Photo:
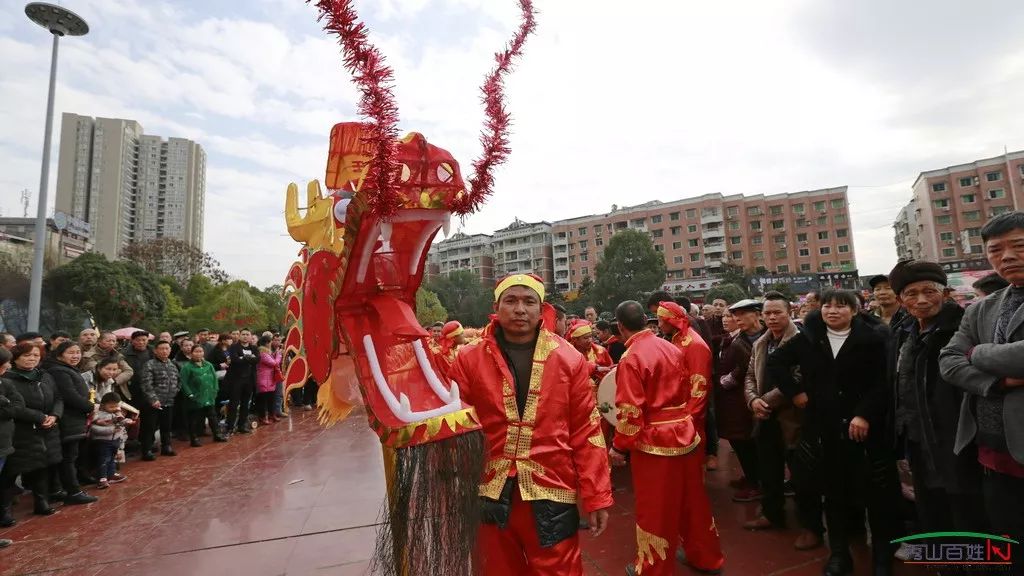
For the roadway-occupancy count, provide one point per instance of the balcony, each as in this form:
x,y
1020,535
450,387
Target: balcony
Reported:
x,y
713,234
711,262
711,218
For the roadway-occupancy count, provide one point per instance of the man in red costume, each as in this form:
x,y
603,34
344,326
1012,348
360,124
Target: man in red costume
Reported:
x,y
452,336
698,523
658,430
532,393
581,335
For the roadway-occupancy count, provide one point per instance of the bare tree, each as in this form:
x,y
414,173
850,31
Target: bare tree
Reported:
x,y
176,258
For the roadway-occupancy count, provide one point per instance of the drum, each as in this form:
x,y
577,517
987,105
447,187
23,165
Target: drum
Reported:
x,y
606,398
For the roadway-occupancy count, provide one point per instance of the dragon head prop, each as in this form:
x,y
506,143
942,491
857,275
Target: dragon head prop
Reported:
x,y
351,298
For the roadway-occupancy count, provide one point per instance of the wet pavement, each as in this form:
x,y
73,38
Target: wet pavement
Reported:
x,y
294,498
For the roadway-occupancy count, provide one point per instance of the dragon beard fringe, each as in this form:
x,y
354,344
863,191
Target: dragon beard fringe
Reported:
x,y
430,526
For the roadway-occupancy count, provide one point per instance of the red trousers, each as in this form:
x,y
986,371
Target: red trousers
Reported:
x,y
672,507
516,551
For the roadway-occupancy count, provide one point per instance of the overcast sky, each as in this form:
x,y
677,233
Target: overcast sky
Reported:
x,y
614,102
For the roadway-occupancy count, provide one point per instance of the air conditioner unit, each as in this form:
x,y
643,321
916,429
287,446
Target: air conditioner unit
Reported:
x,y
822,212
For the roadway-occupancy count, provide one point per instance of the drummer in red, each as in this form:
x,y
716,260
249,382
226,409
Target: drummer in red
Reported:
x,y
656,428
533,396
581,335
452,336
698,523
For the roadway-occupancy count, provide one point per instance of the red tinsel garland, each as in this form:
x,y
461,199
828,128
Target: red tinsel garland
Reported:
x,y
377,103
494,137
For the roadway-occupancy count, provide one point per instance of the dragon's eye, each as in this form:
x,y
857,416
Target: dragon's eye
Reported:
x,y
406,173
444,172
341,209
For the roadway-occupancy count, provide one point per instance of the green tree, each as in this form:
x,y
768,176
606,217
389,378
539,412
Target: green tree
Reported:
x,y
629,266
274,300
462,295
731,293
117,293
736,274
429,308
197,291
176,258
783,288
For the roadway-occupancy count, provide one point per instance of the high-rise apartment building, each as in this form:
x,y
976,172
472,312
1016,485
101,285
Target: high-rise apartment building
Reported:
x,y
129,186
523,247
950,205
462,252
801,233
908,243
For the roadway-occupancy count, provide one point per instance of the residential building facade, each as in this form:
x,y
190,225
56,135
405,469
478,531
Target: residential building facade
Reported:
x,y
952,204
523,247
782,234
908,241
129,186
471,252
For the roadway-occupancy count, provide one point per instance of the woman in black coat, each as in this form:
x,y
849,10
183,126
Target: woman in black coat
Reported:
x,y
78,405
10,403
844,445
36,434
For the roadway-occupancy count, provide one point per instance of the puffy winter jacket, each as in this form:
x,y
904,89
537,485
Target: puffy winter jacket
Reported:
x,y
34,446
78,404
10,402
159,382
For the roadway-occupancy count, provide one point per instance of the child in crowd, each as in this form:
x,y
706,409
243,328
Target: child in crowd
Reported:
x,y
108,432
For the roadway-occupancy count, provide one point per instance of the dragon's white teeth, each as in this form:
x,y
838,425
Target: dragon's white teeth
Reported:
x,y
385,236
447,225
403,402
453,394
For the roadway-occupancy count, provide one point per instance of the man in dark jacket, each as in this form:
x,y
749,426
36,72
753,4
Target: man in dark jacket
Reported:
x,y
844,445
158,387
927,407
241,381
10,402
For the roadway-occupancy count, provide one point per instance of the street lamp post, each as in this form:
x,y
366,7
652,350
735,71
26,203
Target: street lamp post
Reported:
x,y
60,22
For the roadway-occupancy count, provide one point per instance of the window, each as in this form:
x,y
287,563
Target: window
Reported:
x,y
838,203
798,208
839,218
942,203
734,225
975,248
822,221
755,225
824,250
697,272
677,230
939,187
997,210
691,213
673,216
780,253
801,237
972,216
844,249
656,219
819,206
947,219
737,255
732,210
695,257
598,242
967,198
677,260
583,231
693,242
974,232
805,267
826,265
656,233
805,252
778,224
965,182
946,236
757,240
775,210
753,211
677,245
996,194
735,239
657,247
779,238
993,176
948,252
597,229
758,255
784,268
823,235
583,244
692,229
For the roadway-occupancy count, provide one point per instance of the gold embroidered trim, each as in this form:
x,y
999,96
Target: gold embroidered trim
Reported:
x,y
665,451
699,386
647,545
597,440
492,488
532,491
627,411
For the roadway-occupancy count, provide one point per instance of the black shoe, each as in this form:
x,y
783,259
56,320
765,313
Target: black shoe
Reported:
x,y
584,524
41,506
4,542
85,479
80,498
244,430
6,518
58,495
148,456
220,439
195,443
838,565
168,451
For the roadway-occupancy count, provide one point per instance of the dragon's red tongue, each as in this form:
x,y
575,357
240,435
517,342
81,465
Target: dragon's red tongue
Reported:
x,y
398,317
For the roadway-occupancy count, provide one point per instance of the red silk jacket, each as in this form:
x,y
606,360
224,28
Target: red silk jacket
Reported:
x,y
597,357
555,450
652,392
698,361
